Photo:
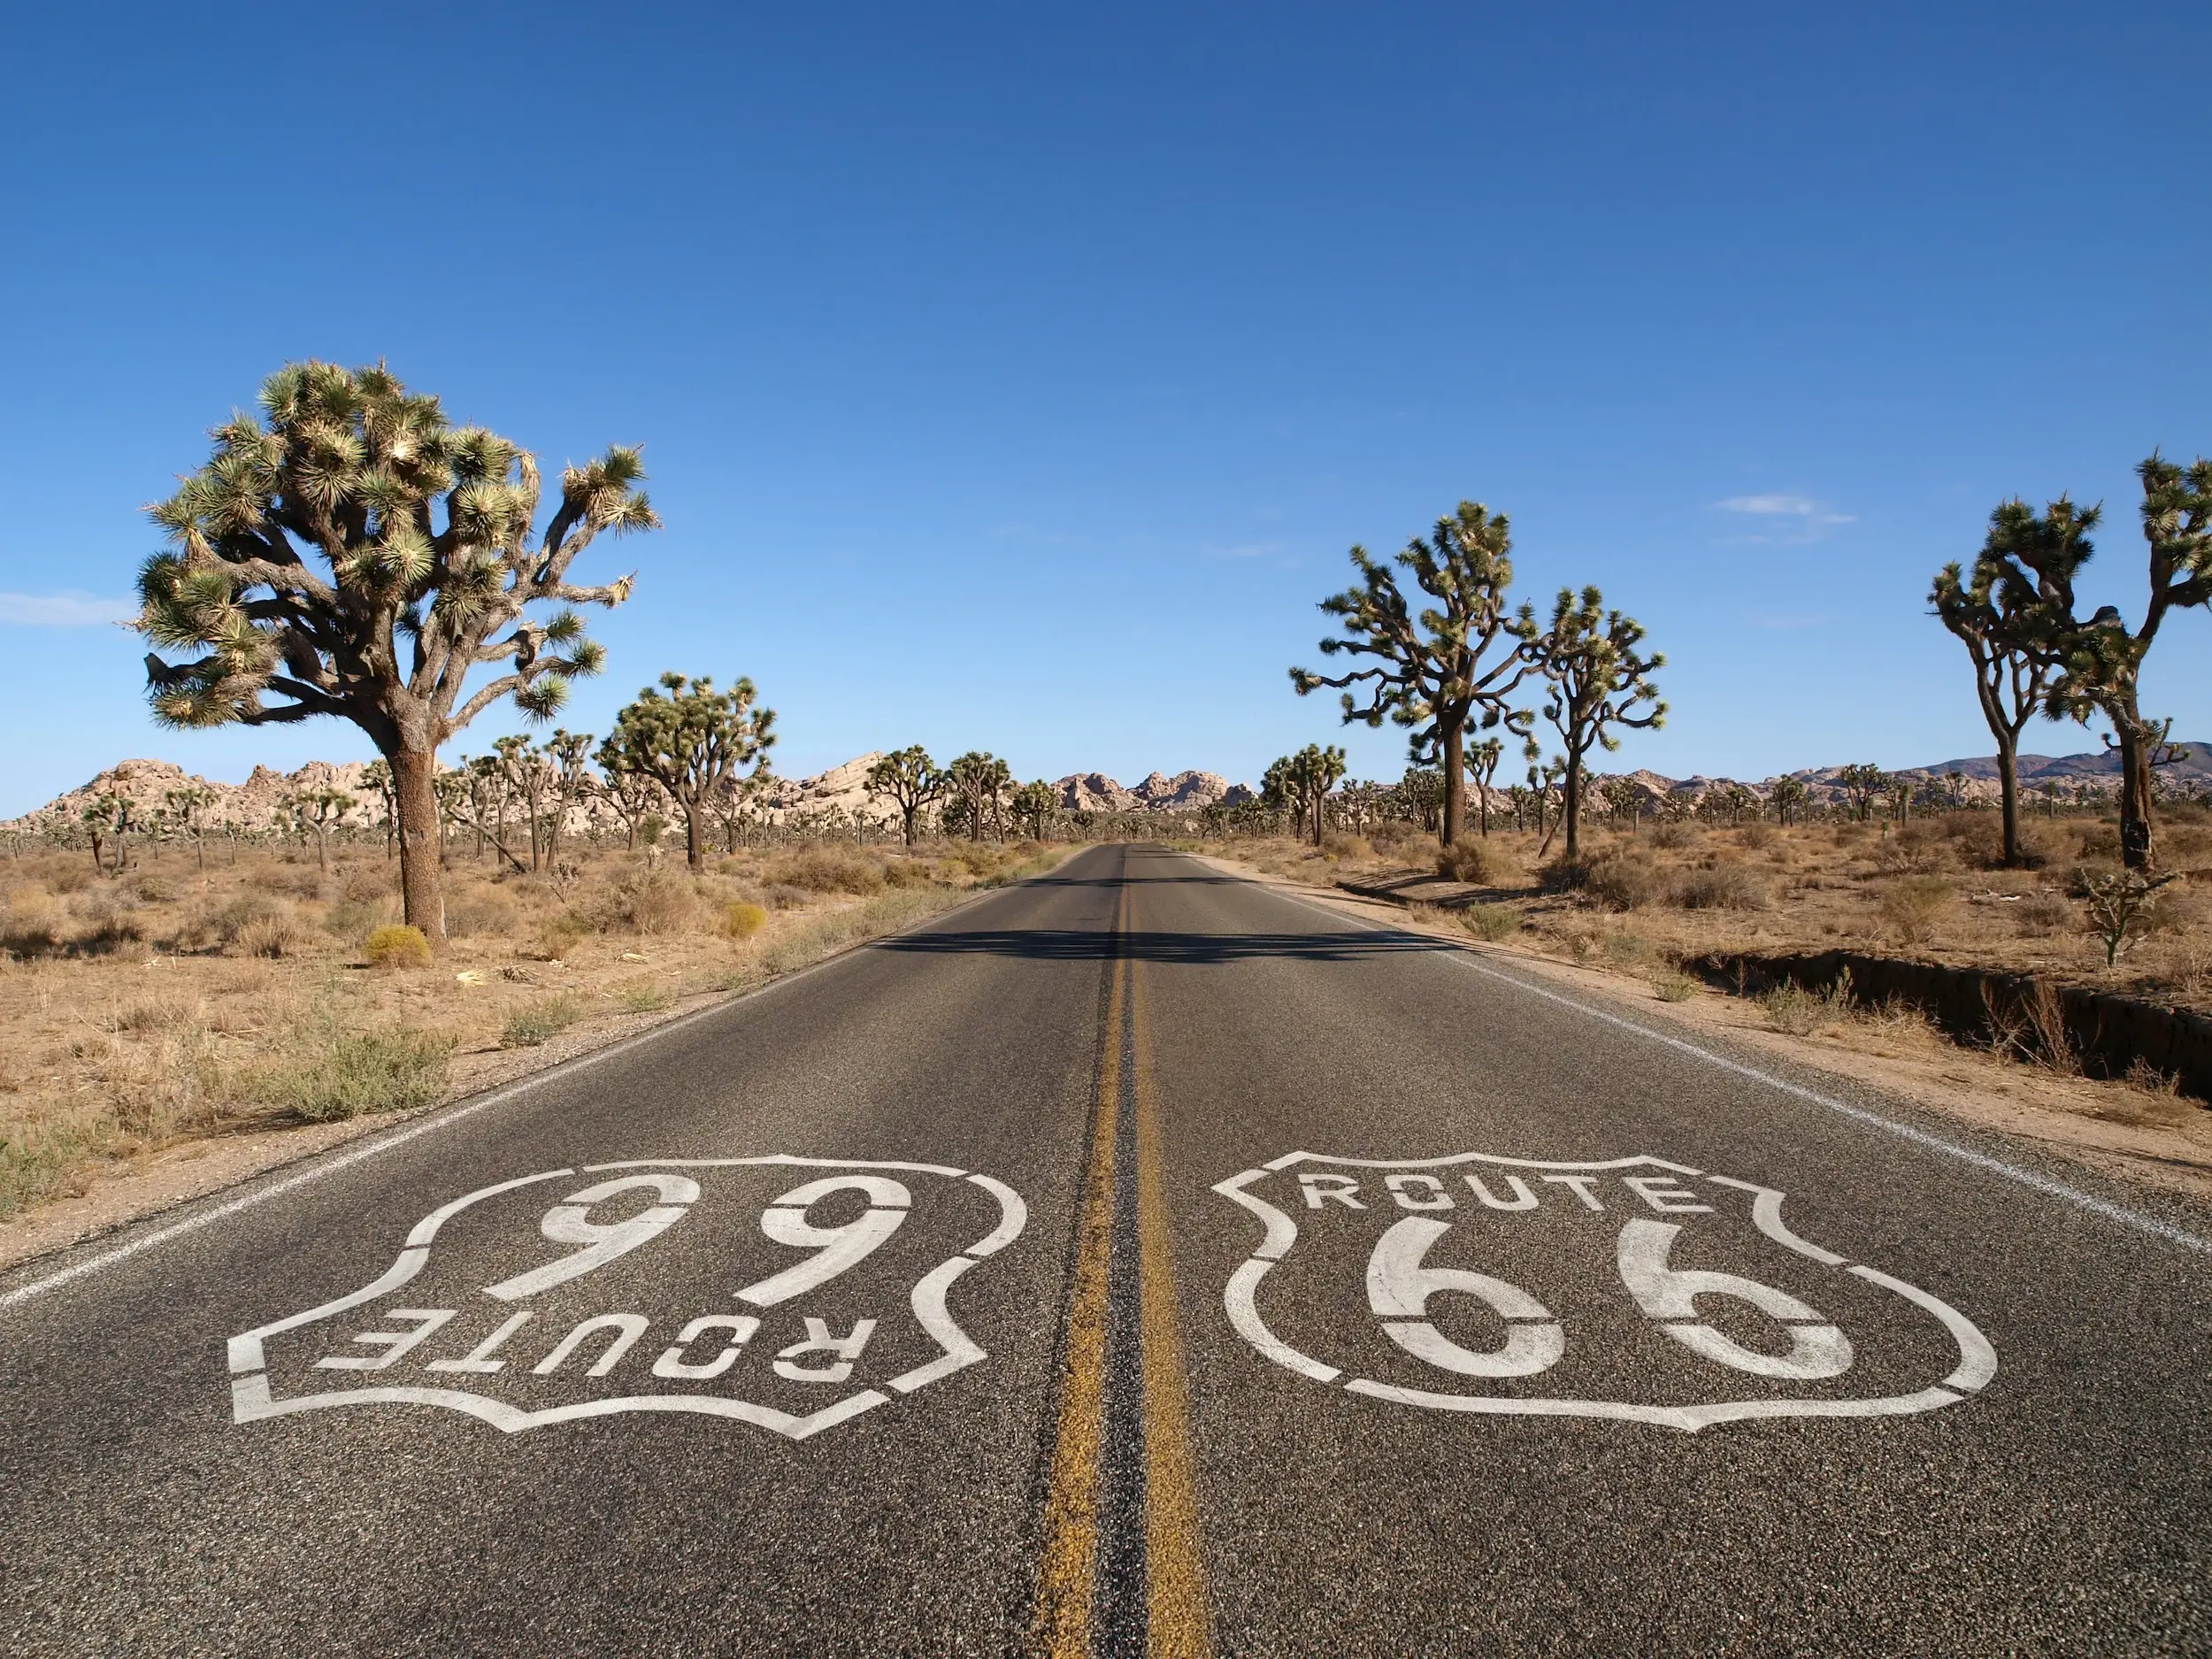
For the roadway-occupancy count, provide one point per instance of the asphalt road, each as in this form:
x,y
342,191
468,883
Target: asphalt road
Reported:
x,y
1135,1260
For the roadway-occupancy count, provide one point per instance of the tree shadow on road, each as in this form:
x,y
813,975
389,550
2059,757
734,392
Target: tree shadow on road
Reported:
x,y
1058,944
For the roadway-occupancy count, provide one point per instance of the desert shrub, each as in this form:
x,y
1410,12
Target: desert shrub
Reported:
x,y
1627,949
350,918
31,925
2185,839
1917,848
370,882
2101,841
655,903
541,1021
742,920
277,933
1912,906
1725,886
824,870
780,896
642,996
1671,984
1673,833
1338,845
1790,1008
1491,922
1619,882
300,882
1755,836
1476,862
557,935
68,876
398,946
152,890
249,907
147,1013
2042,914
484,913
345,1074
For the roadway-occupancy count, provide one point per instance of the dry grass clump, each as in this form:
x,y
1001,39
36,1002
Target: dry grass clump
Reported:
x,y
1724,885
827,871
1478,862
1912,906
276,932
541,1021
347,1073
1491,923
742,920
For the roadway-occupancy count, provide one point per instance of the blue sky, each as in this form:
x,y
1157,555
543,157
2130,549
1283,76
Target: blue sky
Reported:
x,y
1015,377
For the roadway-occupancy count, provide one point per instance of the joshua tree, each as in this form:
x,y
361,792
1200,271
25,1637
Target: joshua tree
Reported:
x,y
110,815
528,775
568,755
1482,766
1789,795
632,794
978,783
2012,680
691,742
910,781
1861,782
1303,780
317,811
351,472
377,775
1421,790
1597,679
2099,663
1430,674
1032,807
1901,799
187,808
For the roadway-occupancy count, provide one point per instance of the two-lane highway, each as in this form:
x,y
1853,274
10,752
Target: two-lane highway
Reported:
x,y
1136,1260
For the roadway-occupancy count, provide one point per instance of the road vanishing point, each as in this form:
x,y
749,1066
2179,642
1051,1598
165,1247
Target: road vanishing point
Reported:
x,y
1136,1260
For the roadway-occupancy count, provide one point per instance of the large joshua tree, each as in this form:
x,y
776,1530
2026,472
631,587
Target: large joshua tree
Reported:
x,y
1597,680
2012,680
1429,670
352,553
692,742
2099,663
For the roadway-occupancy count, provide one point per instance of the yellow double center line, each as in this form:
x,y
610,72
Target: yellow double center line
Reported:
x,y
1175,1622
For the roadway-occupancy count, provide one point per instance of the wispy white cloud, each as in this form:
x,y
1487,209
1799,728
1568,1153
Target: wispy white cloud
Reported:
x,y
71,608
1795,519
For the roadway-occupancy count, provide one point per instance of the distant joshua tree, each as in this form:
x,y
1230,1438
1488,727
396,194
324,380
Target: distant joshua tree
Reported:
x,y
1862,783
1303,780
308,562
188,810
1482,766
978,784
317,811
1598,681
692,742
1429,672
1789,797
910,781
1032,807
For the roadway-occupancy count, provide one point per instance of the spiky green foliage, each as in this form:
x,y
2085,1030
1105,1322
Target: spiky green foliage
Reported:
x,y
1429,670
911,781
692,742
977,785
1863,782
1597,683
1033,808
1302,782
353,553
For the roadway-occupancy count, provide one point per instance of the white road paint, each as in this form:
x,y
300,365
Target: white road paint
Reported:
x,y
706,1349
1602,1199
2135,1220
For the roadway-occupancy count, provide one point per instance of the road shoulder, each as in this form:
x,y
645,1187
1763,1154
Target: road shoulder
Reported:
x,y
2054,1114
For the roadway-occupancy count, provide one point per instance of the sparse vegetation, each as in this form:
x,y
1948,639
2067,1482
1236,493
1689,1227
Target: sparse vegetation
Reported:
x,y
398,946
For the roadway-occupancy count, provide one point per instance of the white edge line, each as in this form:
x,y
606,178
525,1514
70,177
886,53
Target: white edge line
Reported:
x,y
447,1117
2043,1184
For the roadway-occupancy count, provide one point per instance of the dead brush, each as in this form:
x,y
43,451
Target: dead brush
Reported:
x,y
2030,1026
1790,1007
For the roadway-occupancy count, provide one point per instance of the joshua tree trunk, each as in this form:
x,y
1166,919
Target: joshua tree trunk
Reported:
x,y
695,851
1570,804
415,799
2135,795
2008,792
1455,782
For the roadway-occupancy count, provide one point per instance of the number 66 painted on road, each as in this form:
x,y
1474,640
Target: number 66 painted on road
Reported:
x,y
1400,1285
